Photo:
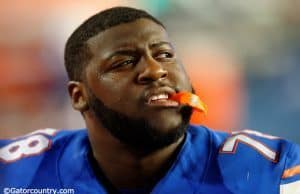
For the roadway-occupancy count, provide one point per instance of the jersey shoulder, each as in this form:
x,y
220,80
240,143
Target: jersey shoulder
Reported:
x,y
272,161
249,161
33,155
34,144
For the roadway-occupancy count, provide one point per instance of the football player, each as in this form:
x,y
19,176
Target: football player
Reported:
x,y
136,100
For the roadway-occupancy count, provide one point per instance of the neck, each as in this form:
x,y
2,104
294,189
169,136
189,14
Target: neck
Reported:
x,y
127,167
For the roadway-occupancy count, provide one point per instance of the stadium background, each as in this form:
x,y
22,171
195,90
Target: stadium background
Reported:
x,y
243,58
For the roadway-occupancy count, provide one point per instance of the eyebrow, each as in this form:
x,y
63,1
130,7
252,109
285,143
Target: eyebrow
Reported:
x,y
122,51
158,44
128,50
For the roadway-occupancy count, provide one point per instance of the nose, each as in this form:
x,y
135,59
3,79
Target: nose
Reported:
x,y
152,71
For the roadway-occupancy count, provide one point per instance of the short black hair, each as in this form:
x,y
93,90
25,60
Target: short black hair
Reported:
x,y
77,53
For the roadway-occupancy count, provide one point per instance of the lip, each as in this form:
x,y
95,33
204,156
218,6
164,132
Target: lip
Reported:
x,y
160,102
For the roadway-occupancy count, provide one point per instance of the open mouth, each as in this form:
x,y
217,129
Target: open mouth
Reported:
x,y
162,99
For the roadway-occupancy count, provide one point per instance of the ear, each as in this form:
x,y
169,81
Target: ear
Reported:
x,y
78,95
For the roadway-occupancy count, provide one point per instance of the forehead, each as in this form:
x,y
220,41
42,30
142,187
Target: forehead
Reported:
x,y
133,34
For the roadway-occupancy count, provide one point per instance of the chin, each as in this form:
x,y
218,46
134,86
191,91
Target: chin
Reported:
x,y
163,117
166,123
149,132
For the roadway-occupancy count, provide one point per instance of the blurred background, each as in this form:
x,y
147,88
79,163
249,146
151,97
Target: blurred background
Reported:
x,y
243,59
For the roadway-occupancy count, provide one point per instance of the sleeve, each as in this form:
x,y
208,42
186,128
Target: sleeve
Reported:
x,y
290,180
22,156
30,144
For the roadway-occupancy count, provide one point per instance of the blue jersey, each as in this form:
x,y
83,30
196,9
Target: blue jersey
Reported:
x,y
244,162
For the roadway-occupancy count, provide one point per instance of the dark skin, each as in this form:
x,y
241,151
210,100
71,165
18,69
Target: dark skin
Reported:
x,y
131,62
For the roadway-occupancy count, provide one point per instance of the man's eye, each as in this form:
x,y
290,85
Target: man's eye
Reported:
x,y
164,55
122,64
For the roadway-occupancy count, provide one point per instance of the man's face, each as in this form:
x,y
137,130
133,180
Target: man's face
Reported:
x,y
133,71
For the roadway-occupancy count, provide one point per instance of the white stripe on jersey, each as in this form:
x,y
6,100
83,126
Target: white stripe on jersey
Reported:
x,y
290,188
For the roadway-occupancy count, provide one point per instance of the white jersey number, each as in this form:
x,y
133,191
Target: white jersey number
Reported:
x,y
32,144
230,145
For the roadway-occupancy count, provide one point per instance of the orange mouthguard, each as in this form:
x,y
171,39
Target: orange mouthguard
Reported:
x,y
190,99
